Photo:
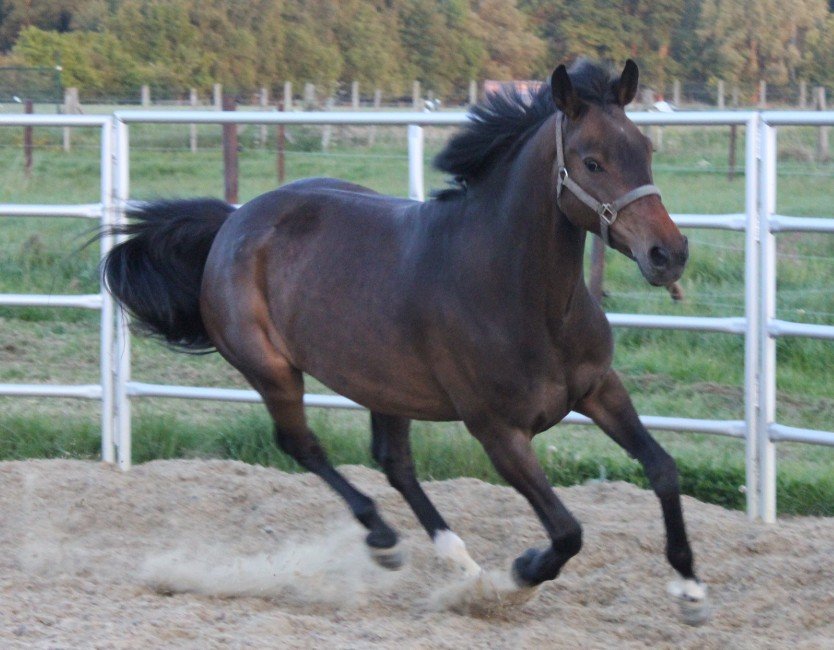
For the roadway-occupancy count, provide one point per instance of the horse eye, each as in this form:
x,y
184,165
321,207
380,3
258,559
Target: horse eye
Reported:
x,y
592,165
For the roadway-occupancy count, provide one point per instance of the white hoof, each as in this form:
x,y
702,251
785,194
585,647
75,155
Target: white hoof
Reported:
x,y
691,596
452,550
388,558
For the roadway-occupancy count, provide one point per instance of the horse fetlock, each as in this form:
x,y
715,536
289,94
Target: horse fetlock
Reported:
x,y
691,596
452,550
391,558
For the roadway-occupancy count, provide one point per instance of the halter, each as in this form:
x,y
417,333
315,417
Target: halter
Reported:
x,y
607,211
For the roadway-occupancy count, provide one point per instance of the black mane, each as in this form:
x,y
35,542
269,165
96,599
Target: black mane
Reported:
x,y
508,117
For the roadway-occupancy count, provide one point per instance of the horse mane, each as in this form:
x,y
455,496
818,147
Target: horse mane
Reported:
x,y
507,118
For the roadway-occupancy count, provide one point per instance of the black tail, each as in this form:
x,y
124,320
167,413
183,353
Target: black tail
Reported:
x,y
156,274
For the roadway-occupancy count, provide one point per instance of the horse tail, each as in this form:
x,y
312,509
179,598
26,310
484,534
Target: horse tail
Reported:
x,y
156,274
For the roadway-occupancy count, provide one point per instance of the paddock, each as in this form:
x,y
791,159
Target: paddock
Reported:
x,y
204,554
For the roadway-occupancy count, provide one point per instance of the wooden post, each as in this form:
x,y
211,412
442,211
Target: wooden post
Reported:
x,y
676,93
354,95
309,96
731,160
823,154
281,142
597,268
218,97
327,130
192,136
71,107
287,105
720,99
264,102
146,95
230,160
416,100
29,108
372,129
803,93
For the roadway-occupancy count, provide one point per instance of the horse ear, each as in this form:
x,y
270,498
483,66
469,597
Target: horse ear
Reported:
x,y
625,88
564,95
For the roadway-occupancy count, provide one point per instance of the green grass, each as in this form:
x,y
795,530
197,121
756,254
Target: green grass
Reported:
x,y
668,373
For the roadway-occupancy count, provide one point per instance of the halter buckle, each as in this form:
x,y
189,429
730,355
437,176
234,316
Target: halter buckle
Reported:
x,y
607,213
563,174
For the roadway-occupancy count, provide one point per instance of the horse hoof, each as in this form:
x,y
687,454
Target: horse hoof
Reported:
x,y
521,569
691,596
391,558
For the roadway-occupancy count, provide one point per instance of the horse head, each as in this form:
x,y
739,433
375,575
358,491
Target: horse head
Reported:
x,y
603,174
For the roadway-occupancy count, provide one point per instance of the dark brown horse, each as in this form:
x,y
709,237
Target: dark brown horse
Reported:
x,y
471,306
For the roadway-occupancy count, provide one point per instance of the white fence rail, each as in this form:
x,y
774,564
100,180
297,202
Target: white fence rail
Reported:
x,y
759,326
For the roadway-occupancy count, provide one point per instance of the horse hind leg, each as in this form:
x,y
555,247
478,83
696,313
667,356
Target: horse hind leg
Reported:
x,y
281,386
391,448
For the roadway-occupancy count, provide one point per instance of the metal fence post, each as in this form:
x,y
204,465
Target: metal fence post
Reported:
x,y
752,385
121,192
108,305
416,187
767,312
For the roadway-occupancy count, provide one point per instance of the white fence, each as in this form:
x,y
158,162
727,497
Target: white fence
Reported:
x,y
759,326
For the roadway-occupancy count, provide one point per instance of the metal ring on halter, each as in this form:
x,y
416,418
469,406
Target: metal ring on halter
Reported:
x,y
607,213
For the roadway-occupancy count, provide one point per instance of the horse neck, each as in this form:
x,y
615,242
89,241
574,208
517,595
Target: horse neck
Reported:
x,y
526,217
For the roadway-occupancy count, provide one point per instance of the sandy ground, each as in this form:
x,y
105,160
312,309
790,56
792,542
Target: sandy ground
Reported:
x,y
89,557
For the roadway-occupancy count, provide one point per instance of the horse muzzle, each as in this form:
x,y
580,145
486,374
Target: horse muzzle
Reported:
x,y
663,263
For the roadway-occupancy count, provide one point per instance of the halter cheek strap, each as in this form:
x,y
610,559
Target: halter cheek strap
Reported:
x,y
607,211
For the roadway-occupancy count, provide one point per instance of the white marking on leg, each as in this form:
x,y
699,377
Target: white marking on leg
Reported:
x,y
688,589
451,548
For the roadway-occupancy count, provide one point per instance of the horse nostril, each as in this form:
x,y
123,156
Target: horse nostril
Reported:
x,y
659,257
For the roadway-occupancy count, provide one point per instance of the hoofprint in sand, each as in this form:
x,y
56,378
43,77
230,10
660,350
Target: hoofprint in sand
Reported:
x,y
216,554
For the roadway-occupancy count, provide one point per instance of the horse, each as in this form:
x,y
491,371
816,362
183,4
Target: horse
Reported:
x,y
470,306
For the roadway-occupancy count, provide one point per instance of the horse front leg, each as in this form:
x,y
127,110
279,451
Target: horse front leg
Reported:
x,y
610,407
512,455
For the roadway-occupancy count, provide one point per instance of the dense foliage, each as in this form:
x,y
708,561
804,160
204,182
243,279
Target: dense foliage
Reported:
x,y
109,47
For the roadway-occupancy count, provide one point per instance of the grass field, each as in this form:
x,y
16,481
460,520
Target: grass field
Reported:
x,y
668,373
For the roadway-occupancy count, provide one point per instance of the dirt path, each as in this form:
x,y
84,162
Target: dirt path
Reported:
x,y
85,548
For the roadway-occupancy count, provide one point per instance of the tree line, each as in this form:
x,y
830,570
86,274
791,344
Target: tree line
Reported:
x,y
108,48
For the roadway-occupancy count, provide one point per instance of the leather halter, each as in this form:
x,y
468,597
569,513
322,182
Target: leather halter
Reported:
x,y
607,211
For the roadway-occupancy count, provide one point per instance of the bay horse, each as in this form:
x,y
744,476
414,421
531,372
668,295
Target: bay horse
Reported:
x,y
470,306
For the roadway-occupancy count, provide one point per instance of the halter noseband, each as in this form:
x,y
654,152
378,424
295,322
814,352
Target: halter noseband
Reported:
x,y
607,211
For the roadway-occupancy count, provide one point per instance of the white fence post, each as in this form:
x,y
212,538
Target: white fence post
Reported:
x,y
416,188
752,386
121,192
108,306
767,344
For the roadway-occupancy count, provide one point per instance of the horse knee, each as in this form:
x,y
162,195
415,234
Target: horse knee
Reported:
x,y
663,476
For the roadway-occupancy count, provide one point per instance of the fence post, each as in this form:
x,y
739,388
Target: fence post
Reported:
x,y
803,93
29,108
752,333
264,102
218,97
71,107
473,92
415,163
287,96
146,95
676,93
822,139
767,311
230,161
416,100
281,142
720,97
762,93
354,95
327,130
192,135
